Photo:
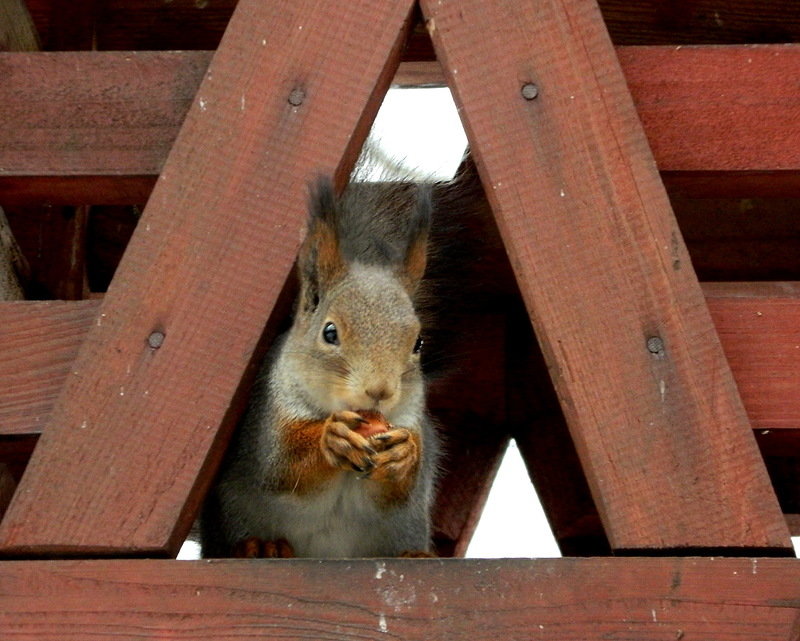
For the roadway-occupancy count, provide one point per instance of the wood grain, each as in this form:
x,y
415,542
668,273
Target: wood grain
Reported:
x,y
719,119
40,341
766,344
82,116
662,434
205,268
481,600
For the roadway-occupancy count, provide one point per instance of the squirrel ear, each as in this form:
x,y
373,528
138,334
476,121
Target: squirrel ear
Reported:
x,y
417,248
319,261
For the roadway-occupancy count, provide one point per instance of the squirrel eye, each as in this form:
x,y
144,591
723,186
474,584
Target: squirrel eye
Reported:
x,y
329,334
418,345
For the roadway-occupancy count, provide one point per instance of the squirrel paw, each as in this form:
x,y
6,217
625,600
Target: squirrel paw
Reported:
x,y
345,448
397,458
255,548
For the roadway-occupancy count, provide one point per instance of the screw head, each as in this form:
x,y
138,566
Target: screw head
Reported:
x,y
156,339
530,91
297,97
655,345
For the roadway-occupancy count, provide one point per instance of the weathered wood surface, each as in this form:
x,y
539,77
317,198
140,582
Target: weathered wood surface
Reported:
x,y
149,421
76,117
760,334
605,276
39,342
481,600
718,118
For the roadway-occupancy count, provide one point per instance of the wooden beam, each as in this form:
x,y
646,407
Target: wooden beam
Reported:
x,y
105,123
653,22
761,339
203,272
476,600
652,407
720,119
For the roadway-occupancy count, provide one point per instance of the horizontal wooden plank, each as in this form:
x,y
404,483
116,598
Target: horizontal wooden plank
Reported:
x,y
759,327
448,600
40,341
719,119
758,323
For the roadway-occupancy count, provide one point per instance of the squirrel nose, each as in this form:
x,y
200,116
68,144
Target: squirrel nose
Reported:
x,y
378,392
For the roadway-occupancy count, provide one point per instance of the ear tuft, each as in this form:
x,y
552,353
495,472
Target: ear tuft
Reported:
x,y
417,247
319,262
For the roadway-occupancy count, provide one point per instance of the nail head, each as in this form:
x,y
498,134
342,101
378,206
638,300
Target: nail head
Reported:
x,y
156,339
297,97
530,91
655,345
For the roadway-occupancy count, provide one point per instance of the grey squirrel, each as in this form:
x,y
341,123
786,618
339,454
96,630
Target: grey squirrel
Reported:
x,y
336,455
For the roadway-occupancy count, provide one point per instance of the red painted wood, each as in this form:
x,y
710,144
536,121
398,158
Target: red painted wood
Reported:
x,y
762,317
663,437
205,267
107,116
40,341
720,119
415,600
726,97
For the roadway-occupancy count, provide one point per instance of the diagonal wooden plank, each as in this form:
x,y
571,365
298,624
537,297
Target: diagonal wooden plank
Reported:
x,y
415,600
646,390
136,431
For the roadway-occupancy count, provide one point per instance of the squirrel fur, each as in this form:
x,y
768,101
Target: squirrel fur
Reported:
x,y
298,478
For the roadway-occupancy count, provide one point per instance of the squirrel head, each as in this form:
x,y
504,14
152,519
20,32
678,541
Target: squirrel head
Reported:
x,y
355,342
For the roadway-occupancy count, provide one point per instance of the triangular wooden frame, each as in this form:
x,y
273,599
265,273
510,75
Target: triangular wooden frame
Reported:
x,y
543,98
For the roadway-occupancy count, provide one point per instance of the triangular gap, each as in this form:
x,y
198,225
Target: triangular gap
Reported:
x,y
513,522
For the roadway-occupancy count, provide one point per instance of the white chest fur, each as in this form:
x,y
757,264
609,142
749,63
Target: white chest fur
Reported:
x,y
340,521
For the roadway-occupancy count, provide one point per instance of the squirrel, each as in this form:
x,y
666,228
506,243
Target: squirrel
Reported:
x,y
336,455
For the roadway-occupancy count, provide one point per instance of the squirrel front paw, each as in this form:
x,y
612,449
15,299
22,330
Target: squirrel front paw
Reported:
x,y
343,447
397,455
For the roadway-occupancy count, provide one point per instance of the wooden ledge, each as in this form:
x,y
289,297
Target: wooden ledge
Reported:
x,y
482,600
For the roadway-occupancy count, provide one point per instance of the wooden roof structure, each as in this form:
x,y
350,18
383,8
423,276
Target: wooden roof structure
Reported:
x,y
645,403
